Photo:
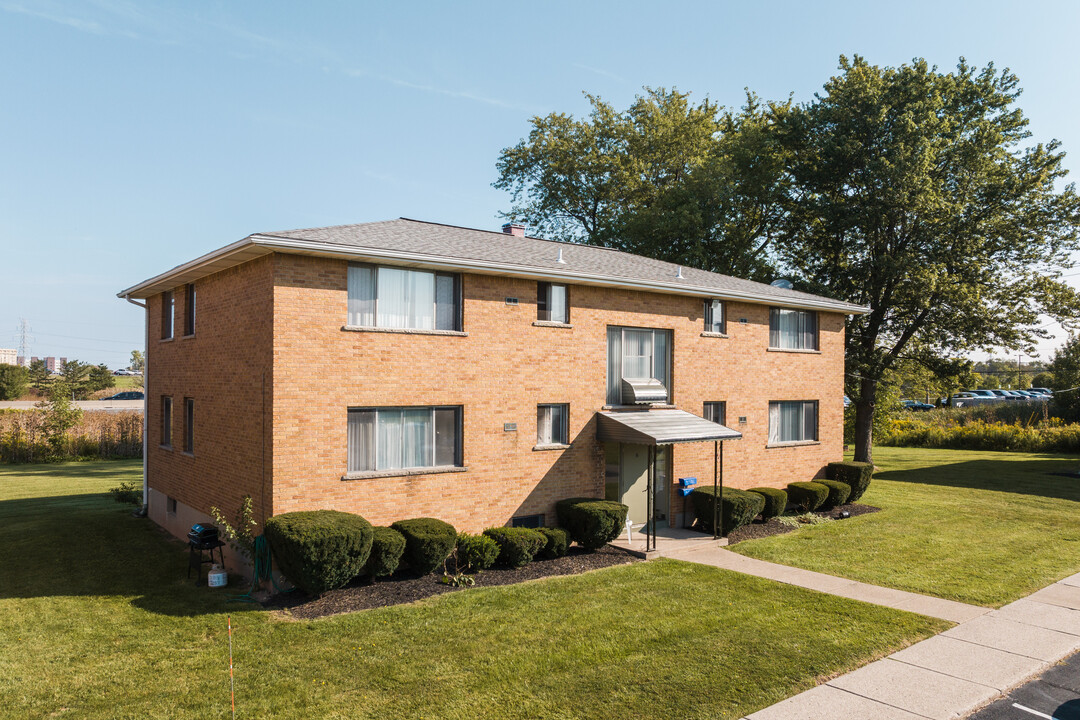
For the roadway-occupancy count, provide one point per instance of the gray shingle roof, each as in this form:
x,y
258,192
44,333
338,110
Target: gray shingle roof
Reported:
x,y
491,247
426,244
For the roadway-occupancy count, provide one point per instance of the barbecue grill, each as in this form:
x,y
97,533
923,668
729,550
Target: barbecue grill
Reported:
x,y
203,540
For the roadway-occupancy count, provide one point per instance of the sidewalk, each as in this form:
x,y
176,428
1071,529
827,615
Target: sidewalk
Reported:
x,y
947,676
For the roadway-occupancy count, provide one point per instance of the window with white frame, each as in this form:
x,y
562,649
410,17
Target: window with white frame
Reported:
x,y
793,421
715,412
403,438
637,354
552,302
793,329
714,316
168,311
389,297
552,424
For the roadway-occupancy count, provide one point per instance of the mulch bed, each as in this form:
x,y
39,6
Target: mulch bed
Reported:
x,y
756,530
406,588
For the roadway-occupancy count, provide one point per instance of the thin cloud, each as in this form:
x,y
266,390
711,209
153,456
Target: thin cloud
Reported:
x,y
600,71
461,94
87,26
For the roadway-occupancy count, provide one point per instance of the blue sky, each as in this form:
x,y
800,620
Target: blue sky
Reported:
x,y
136,136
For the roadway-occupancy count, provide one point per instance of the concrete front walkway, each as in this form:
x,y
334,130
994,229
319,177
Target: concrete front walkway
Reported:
x,y
947,676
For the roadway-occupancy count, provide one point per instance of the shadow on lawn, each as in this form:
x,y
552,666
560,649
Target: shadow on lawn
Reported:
x,y
88,545
1026,477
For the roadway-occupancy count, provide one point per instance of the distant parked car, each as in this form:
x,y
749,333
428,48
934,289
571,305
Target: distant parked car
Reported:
x,y
124,371
916,406
126,395
1042,391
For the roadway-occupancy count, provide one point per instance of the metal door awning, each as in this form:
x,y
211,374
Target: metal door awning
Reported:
x,y
659,427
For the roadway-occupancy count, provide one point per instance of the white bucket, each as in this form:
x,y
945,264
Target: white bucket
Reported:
x,y
217,577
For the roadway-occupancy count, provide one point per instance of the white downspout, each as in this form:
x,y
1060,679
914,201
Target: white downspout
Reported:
x,y
146,406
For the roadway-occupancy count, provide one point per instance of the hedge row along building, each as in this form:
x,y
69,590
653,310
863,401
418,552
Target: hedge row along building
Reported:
x,y
403,369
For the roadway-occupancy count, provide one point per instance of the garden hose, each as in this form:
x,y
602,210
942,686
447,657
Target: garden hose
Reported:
x,y
262,569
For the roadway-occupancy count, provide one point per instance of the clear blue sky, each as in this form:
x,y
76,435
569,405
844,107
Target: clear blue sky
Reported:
x,y
136,136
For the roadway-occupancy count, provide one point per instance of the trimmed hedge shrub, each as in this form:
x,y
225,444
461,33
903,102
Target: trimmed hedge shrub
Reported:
x,y
387,547
838,493
592,523
427,542
856,475
319,550
517,546
737,507
558,542
808,495
475,552
775,501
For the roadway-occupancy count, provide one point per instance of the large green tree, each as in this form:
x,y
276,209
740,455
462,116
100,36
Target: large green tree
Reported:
x,y
919,194
666,178
14,381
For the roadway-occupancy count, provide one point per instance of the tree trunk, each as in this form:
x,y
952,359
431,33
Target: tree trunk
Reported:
x,y
864,420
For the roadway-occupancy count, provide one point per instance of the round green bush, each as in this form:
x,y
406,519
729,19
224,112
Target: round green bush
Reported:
x,y
475,552
319,550
428,542
517,546
838,492
558,542
592,523
857,475
737,507
387,547
808,495
775,501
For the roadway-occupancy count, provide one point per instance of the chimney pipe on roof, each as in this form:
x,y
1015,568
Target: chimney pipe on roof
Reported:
x,y
514,229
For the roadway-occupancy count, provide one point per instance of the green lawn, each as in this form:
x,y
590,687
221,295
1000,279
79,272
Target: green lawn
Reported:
x,y
98,622
979,527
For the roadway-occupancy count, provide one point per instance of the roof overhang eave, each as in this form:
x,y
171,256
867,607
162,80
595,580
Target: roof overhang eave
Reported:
x,y
261,244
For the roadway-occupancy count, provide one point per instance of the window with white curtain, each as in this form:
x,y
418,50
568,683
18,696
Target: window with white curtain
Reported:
x,y
793,421
403,438
389,297
637,354
552,302
714,316
552,424
793,329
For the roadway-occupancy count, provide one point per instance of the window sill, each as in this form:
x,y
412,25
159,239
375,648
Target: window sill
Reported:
x,y
165,447
795,350
403,331
168,339
187,453
552,324
188,336
794,443
552,446
369,474
714,335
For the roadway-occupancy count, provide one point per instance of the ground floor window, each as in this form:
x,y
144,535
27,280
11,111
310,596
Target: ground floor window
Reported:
x,y
527,521
793,421
552,424
403,438
715,412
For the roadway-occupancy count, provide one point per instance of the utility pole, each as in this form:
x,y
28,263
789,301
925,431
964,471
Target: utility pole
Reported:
x,y
23,333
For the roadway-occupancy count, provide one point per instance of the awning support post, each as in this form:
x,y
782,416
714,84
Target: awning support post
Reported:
x,y
716,489
650,529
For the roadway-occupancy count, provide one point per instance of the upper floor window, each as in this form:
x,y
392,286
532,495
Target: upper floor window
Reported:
x,y
714,316
552,424
389,297
715,412
189,425
793,329
793,421
637,354
168,308
403,438
552,302
189,309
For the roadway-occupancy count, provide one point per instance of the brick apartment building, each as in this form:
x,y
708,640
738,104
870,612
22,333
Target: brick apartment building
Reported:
x,y
403,369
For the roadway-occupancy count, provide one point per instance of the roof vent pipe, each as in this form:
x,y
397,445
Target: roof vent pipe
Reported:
x,y
560,260
679,275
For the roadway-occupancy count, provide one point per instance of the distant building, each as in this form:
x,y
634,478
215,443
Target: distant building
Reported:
x,y
9,357
52,364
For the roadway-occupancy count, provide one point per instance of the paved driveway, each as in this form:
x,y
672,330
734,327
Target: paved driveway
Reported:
x,y
1053,695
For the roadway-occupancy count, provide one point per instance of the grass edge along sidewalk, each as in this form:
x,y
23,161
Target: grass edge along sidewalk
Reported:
x,y
983,528
99,622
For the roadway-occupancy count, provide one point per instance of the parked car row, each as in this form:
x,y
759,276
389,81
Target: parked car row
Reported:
x,y
972,397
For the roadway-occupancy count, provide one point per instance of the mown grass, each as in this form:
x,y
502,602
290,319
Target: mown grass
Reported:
x,y
978,527
99,622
